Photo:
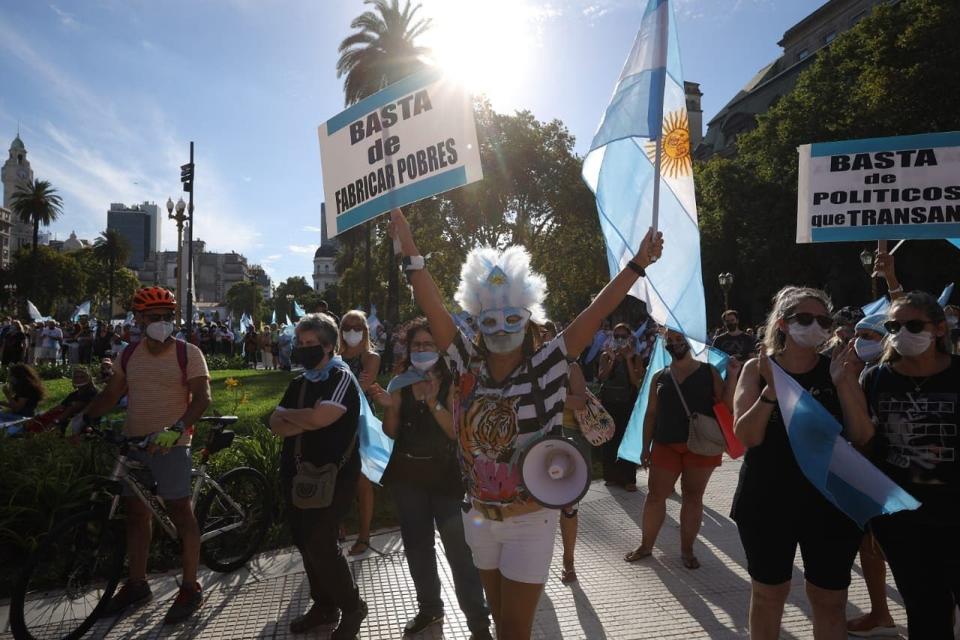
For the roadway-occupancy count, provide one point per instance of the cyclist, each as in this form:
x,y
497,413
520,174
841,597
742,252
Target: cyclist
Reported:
x,y
168,387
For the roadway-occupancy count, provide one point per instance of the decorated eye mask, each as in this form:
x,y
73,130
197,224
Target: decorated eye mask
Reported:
x,y
508,319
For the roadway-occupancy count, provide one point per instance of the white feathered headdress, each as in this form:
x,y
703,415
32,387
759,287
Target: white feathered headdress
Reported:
x,y
490,279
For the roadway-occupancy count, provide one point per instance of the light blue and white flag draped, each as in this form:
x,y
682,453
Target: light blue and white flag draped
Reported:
x,y
372,321
880,305
245,322
273,318
33,312
83,309
944,298
829,462
375,446
631,447
648,112
298,310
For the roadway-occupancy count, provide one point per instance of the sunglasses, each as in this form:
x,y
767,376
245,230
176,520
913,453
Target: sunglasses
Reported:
x,y
806,319
913,326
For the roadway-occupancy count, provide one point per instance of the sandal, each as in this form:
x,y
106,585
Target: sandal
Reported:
x,y
359,547
568,576
690,561
638,554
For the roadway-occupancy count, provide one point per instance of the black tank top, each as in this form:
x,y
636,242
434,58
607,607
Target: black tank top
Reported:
x,y
617,389
771,482
672,425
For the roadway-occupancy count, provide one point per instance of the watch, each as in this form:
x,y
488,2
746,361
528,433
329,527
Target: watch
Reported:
x,y
439,406
637,269
179,426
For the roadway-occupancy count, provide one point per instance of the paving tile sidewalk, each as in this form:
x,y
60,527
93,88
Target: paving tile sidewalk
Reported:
x,y
653,598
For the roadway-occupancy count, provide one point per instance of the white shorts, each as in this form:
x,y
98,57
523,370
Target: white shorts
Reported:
x,y
520,547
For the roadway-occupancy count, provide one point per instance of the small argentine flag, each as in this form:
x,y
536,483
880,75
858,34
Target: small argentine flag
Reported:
x,y
829,462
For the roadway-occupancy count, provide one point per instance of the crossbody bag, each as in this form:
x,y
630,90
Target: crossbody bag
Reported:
x,y
704,436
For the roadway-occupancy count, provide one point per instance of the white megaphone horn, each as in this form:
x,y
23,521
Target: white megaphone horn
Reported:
x,y
554,471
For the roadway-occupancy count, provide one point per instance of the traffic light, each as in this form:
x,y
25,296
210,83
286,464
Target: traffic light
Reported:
x,y
186,176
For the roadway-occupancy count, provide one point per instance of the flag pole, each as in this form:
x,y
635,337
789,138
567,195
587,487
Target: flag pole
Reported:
x,y
656,183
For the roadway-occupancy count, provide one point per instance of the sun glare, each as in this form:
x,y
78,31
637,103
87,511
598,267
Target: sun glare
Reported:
x,y
488,46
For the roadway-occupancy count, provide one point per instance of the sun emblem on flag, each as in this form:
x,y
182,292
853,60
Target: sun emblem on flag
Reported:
x,y
497,277
675,160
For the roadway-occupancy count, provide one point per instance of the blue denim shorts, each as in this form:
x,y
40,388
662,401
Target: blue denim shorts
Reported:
x,y
171,471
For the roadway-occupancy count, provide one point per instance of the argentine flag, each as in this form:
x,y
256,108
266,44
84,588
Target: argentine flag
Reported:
x,y
944,298
880,305
298,310
631,447
648,111
829,462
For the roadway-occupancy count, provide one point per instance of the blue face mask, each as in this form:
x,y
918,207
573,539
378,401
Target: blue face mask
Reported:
x,y
424,360
507,320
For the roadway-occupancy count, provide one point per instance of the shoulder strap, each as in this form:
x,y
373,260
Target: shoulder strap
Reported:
x,y
126,354
182,360
683,400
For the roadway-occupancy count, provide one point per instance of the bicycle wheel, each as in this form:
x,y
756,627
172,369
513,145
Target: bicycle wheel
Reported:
x,y
69,579
228,550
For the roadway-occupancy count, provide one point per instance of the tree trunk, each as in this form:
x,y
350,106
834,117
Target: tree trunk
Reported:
x,y
36,234
392,312
367,268
113,269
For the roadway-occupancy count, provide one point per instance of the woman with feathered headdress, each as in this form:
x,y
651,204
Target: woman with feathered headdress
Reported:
x,y
509,388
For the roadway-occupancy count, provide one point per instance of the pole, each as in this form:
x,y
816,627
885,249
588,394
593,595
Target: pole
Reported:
x,y
656,183
875,282
190,253
180,270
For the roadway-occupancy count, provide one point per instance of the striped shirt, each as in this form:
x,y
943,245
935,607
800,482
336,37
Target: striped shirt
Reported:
x,y
494,421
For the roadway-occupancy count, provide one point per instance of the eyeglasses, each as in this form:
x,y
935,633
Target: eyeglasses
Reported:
x,y
913,326
806,319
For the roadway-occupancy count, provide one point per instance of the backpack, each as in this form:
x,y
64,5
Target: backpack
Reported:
x,y
181,347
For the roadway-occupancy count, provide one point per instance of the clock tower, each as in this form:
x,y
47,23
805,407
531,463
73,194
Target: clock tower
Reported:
x,y
16,172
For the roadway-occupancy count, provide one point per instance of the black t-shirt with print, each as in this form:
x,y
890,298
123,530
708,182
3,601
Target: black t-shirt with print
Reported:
x,y
329,443
743,345
916,441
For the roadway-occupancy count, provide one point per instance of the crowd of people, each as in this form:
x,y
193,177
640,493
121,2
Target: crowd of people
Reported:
x,y
465,400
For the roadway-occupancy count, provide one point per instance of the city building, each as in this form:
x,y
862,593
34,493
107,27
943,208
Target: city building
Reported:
x,y
800,44
16,172
140,225
6,226
213,273
258,275
69,245
325,258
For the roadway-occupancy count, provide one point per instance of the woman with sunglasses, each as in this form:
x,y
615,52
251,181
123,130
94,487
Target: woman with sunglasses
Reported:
x,y
913,397
620,374
509,389
775,507
354,348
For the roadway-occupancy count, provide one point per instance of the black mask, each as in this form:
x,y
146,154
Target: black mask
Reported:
x,y
678,350
732,326
309,357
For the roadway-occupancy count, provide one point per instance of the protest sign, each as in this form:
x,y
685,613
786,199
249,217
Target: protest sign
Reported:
x,y
412,140
880,189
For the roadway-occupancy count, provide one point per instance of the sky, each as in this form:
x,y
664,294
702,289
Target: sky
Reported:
x,y
109,93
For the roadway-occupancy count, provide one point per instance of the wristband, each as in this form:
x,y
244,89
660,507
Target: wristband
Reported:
x,y
897,290
413,263
637,269
179,426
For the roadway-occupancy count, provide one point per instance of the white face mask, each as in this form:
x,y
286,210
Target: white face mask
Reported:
x,y
868,350
504,343
911,344
812,335
352,338
160,331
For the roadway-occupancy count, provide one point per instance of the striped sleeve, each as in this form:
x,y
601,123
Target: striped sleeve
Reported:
x,y
340,389
460,352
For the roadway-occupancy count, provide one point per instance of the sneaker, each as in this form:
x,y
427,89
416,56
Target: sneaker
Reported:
x,y
317,616
350,623
187,602
483,634
421,621
131,594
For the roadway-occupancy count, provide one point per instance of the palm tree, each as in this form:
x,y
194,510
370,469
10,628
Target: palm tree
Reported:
x,y
381,52
36,204
113,250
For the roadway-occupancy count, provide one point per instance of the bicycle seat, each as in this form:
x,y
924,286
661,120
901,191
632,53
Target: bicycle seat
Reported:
x,y
223,421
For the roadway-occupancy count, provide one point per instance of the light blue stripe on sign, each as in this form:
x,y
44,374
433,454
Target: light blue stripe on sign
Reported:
x,y
402,196
898,143
391,94
934,231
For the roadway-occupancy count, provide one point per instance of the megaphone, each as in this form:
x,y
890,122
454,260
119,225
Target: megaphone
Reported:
x,y
554,471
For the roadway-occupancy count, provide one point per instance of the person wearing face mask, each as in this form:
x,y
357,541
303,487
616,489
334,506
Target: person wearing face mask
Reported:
x,y
912,401
775,507
952,315
353,346
318,419
665,452
167,386
510,388
733,341
620,374
424,477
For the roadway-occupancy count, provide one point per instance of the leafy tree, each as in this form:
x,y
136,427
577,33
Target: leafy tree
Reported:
x,y
36,204
302,293
112,250
245,297
381,52
894,73
58,274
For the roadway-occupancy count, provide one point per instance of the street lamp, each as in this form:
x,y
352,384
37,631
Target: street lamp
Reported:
x,y
180,217
867,259
726,281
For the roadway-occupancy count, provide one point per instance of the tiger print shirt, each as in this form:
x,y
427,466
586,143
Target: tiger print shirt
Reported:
x,y
494,421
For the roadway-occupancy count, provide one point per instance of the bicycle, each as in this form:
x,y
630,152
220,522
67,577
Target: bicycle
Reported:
x,y
70,579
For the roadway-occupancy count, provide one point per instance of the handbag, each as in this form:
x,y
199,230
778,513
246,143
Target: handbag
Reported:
x,y
704,436
596,423
313,485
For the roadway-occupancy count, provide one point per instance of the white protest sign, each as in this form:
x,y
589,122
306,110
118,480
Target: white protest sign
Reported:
x,y
880,189
412,140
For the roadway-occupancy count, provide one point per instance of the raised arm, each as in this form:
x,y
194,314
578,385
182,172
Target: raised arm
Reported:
x,y
579,334
751,414
425,290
